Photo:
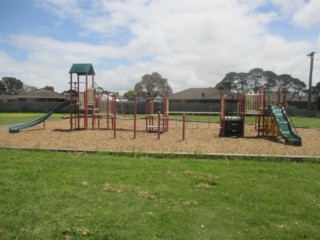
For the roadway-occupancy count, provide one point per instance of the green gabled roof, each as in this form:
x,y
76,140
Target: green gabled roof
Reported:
x,y
82,69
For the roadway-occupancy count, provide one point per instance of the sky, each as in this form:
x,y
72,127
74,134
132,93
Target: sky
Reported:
x,y
192,43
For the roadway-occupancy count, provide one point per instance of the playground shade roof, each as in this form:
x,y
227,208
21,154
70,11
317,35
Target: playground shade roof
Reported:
x,y
82,69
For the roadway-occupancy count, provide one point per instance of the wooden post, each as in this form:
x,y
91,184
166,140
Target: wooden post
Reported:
x,y
135,117
86,104
147,113
284,97
78,100
159,125
114,116
71,105
183,126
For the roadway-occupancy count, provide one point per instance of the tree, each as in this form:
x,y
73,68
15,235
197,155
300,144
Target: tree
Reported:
x,y
153,85
49,88
270,79
12,84
256,78
67,93
229,81
220,86
298,86
131,93
242,81
2,87
285,81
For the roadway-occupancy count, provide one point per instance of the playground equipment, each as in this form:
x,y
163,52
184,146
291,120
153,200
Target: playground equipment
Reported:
x,y
96,105
232,123
82,99
270,116
17,128
160,117
89,103
285,126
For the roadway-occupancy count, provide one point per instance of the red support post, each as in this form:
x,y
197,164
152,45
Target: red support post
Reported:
x,y
243,112
159,125
92,84
222,116
93,116
135,117
147,123
78,99
284,97
71,105
86,105
147,114
108,110
165,113
183,126
114,116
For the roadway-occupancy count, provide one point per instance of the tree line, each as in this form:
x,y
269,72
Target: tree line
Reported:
x,y
154,85
151,85
258,78
13,86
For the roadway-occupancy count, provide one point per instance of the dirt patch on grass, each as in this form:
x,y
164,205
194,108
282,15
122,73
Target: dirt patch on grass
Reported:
x,y
199,138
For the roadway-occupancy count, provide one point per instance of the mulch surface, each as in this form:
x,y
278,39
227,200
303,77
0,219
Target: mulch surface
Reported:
x,y
200,138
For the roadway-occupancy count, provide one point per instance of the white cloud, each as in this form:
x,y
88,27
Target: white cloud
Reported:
x,y
288,6
308,15
193,43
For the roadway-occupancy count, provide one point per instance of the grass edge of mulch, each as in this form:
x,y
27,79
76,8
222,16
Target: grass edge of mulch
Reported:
x,y
179,155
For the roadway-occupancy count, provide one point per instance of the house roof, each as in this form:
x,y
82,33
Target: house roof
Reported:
x,y
82,69
197,94
215,94
5,98
297,98
40,94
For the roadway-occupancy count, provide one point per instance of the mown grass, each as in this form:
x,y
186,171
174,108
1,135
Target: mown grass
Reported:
x,y
16,118
305,122
56,195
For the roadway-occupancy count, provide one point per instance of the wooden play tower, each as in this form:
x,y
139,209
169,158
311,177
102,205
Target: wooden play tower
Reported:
x,y
81,95
257,105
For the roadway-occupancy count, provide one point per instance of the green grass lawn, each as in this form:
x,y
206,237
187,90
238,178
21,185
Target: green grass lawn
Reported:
x,y
56,195
297,121
16,118
306,122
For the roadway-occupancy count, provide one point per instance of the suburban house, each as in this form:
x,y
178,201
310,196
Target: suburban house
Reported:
x,y
196,95
300,102
34,96
197,100
208,100
35,101
8,98
41,96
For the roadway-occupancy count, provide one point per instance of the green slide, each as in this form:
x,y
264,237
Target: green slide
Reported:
x,y
285,126
17,128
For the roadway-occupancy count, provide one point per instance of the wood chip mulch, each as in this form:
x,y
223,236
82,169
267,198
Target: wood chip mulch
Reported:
x,y
199,138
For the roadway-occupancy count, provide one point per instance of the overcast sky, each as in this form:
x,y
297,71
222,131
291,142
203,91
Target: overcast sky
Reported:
x,y
192,43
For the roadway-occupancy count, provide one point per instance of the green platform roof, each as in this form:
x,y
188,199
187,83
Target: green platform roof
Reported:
x,y
82,69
